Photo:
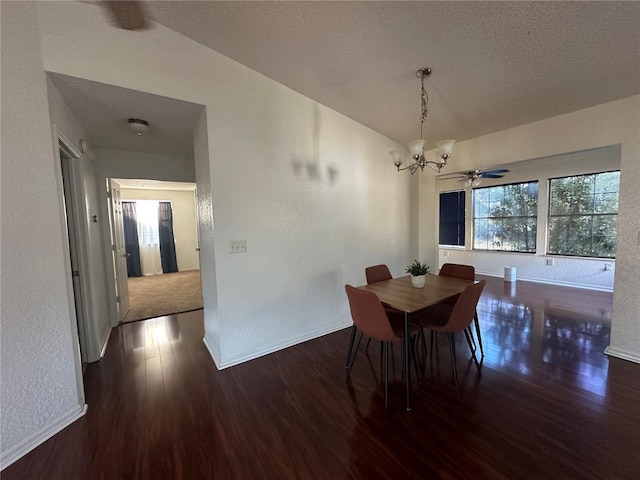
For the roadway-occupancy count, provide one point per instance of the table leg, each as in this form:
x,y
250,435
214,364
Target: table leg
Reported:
x,y
407,374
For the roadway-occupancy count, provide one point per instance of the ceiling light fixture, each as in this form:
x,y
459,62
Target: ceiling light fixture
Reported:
x,y
141,127
473,178
416,148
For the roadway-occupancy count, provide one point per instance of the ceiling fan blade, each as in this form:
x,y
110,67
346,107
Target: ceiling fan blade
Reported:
x,y
450,176
128,14
491,175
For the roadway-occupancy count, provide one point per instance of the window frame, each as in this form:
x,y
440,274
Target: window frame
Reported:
x,y
535,217
591,215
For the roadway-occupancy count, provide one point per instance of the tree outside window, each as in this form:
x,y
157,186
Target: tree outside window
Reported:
x,y
583,213
505,217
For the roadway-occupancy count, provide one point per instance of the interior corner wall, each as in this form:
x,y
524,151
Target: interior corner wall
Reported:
x,y
184,221
613,123
41,390
310,191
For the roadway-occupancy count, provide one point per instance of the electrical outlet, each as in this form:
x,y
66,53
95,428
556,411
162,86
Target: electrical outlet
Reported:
x,y
237,246
549,261
446,253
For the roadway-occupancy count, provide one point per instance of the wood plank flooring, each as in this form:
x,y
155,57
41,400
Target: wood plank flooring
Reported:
x,y
549,404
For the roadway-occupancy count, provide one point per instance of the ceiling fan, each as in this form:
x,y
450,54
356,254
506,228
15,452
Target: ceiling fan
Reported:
x,y
127,14
473,177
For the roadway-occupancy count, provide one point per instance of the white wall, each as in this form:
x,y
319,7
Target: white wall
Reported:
x,y
311,192
115,163
614,123
41,388
184,221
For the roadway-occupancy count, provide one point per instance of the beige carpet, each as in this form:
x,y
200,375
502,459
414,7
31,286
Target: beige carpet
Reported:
x,y
166,294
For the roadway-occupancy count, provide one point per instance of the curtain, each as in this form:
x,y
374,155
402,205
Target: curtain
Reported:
x,y
148,237
167,242
130,225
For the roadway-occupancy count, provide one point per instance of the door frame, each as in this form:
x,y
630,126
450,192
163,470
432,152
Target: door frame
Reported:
x,y
59,141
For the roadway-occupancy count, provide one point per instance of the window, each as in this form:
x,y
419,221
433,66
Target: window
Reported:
x,y
452,218
583,212
147,211
505,217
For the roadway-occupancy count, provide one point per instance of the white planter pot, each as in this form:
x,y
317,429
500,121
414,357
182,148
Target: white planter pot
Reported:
x,y
417,281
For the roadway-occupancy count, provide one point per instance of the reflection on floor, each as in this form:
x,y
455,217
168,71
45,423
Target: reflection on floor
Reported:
x,y
561,331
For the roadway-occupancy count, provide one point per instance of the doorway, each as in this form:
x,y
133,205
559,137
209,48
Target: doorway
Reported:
x,y
159,284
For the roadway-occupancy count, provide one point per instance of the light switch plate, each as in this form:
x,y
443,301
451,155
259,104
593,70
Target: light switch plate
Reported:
x,y
237,246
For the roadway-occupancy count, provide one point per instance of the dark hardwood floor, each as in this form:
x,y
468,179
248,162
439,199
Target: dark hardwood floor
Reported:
x,y
549,404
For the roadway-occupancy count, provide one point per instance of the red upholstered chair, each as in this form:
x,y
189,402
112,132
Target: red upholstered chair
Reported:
x,y
371,319
466,272
375,273
443,318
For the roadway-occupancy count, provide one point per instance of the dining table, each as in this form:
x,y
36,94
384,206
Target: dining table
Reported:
x,y
398,293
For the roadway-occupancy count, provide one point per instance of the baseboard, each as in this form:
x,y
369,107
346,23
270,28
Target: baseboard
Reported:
x,y
105,343
281,346
212,352
551,282
41,436
624,355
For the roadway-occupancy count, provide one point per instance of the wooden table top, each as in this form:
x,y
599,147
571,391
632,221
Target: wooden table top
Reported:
x,y
399,294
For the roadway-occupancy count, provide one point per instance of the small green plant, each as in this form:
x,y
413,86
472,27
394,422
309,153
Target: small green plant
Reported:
x,y
417,268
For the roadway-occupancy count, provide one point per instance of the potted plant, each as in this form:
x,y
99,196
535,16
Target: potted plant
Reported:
x,y
418,271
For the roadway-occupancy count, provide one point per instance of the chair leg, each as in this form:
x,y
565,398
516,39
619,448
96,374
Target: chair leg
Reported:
x,y
432,343
414,354
473,353
477,323
368,343
469,332
452,349
385,348
353,357
424,342
350,348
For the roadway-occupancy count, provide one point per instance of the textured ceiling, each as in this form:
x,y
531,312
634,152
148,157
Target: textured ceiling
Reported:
x,y
103,111
495,65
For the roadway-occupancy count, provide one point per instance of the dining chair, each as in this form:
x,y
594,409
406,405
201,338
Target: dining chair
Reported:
x,y
442,318
370,317
377,273
466,272
373,274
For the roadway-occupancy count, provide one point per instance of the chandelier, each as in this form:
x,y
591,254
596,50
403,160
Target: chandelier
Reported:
x,y
416,158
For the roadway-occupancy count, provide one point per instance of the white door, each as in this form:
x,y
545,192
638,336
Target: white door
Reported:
x,y
119,253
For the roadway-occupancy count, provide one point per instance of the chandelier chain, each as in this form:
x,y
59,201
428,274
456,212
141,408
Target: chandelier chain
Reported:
x,y
424,100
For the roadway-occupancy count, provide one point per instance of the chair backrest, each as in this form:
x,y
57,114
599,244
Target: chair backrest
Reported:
x,y
465,308
368,314
466,272
377,273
